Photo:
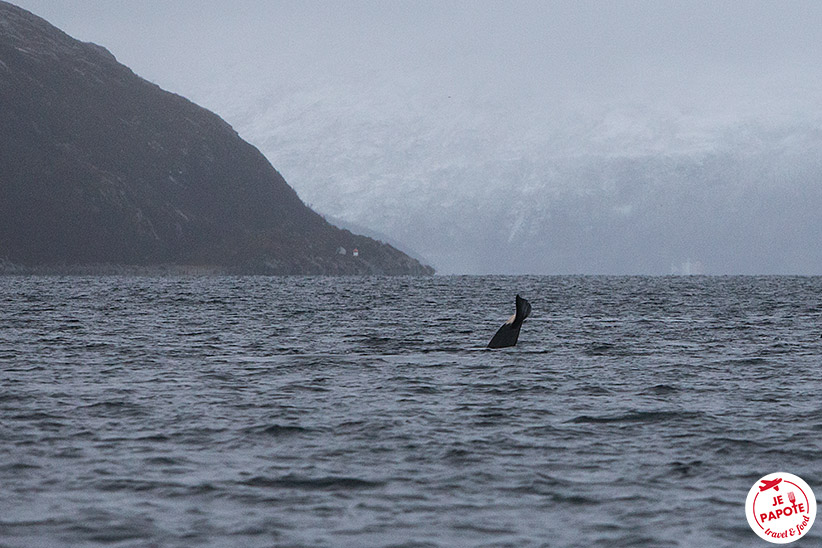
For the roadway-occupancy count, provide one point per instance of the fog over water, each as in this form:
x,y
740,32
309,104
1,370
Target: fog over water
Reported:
x,y
525,137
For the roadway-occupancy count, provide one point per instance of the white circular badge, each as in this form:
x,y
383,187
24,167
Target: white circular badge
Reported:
x,y
780,508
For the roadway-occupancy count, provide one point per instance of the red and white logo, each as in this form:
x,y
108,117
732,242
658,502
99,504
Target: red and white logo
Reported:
x,y
780,508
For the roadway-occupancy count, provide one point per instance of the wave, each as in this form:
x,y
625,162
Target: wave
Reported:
x,y
325,483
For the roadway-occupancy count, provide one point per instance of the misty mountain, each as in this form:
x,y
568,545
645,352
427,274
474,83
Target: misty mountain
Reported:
x,y
483,184
100,166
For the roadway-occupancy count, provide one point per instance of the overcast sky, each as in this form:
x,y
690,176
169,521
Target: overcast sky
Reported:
x,y
603,47
358,102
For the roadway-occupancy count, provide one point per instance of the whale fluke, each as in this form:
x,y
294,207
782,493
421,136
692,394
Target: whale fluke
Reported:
x,y
508,334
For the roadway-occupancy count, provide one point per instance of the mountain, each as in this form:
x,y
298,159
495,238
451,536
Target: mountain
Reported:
x,y
484,184
376,235
98,166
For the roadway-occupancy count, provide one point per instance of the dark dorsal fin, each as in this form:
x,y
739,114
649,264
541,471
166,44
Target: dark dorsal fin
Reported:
x,y
508,334
523,310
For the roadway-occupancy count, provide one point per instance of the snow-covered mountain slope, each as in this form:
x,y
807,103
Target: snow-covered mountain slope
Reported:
x,y
478,182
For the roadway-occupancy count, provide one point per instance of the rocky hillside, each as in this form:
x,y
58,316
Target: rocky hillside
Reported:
x,y
98,166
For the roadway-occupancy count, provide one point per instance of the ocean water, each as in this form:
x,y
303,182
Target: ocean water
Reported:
x,y
266,411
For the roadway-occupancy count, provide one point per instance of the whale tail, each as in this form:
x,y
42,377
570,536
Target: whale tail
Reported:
x,y
508,334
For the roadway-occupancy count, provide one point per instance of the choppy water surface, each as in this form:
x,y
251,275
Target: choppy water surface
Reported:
x,y
224,411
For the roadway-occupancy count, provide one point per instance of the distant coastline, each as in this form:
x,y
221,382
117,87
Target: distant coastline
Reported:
x,y
8,268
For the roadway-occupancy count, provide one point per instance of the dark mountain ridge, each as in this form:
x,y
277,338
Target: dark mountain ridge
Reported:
x,y
98,166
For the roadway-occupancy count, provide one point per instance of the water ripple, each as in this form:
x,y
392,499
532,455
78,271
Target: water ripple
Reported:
x,y
253,411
